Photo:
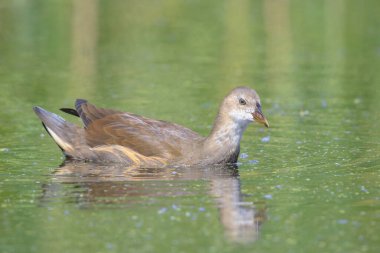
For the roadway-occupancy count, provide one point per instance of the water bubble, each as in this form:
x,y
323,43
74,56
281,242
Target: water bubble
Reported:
x,y
175,207
268,196
304,113
206,105
244,155
363,189
253,161
342,221
139,224
110,245
324,103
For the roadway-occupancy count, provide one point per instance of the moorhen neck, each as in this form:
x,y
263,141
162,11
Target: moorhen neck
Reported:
x,y
122,137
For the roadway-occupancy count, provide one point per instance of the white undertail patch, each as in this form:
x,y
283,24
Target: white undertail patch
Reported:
x,y
64,145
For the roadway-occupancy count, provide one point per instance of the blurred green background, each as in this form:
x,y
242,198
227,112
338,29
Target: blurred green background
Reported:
x,y
313,177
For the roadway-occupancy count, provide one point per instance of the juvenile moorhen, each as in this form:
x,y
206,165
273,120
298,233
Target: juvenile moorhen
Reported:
x,y
122,137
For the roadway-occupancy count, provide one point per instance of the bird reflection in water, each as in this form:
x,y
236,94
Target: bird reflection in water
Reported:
x,y
115,184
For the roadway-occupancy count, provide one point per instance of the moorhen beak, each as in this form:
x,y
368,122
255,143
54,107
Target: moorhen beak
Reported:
x,y
259,117
122,137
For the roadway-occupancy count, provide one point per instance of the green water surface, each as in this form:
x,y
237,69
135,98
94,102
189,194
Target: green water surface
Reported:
x,y
310,183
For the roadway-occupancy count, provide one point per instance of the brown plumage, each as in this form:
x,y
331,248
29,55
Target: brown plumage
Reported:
x,y
114,136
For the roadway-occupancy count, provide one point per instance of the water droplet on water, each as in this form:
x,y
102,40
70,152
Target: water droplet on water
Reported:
x,y
244,155
342,221
110,246
175,207
363,189
268,196
304,113
253,161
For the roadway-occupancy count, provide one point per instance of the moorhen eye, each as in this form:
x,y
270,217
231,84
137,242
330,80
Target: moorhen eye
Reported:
x,y
242,101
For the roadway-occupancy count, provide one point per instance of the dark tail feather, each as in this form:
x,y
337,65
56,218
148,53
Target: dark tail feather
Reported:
x,y
70,111
78,106
64,133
